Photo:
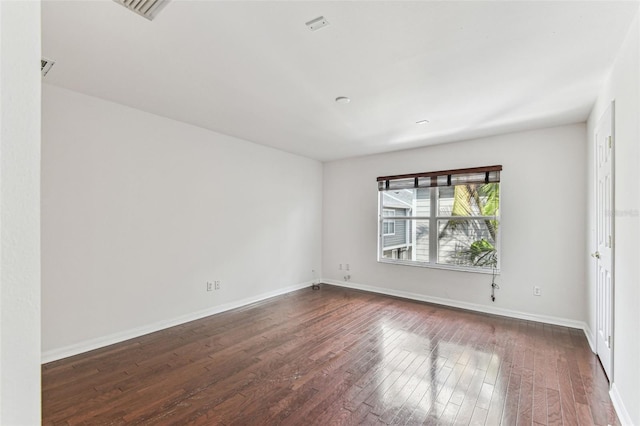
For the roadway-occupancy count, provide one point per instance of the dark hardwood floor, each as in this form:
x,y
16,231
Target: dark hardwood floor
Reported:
x,y
336,356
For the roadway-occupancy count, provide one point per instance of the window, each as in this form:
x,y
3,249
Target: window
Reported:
x,y
448,219
388,226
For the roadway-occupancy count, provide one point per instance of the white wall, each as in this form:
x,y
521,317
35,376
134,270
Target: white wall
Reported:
x,y
19,213
623,86
139,211
543,201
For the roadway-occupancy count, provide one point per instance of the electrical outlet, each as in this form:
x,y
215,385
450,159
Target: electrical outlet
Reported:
x,y
340,267
537,291
217,285
347,267
209,286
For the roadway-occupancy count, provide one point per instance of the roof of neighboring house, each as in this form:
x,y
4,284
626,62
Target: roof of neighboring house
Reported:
x,y
400,199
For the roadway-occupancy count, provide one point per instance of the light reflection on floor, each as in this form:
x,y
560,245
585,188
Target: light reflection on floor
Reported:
x,y
426,373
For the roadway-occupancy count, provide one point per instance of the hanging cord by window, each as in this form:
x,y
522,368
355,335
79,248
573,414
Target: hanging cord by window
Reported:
x,y
494,286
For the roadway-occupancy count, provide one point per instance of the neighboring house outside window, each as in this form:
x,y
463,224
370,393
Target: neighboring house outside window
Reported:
x,y
396,233
444,219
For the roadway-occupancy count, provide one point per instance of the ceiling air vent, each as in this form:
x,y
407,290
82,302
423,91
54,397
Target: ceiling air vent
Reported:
x,y
147,8
45,65
316,24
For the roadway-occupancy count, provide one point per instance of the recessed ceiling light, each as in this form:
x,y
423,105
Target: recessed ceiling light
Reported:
x,y
422,122
343,100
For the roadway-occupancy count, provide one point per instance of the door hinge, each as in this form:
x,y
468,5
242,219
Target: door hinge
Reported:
x,y
610,142
610,241
609,341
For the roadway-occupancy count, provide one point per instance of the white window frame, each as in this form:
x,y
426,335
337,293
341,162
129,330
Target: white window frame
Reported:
x,y
433,219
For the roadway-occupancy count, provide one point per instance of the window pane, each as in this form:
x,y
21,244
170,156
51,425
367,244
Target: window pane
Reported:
x,y
467,242
445,200
410,242
395,233
422,240
399,245
469,200
406,202
422,202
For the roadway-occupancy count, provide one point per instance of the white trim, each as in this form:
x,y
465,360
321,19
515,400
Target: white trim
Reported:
x,y
92,344
99,342
419,264
464,305
590,337
618,404
89,345
397,246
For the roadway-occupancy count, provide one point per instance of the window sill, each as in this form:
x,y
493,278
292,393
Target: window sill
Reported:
x,y
485,271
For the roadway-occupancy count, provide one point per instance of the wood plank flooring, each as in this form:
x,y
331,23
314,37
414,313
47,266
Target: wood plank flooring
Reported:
x,y
336,357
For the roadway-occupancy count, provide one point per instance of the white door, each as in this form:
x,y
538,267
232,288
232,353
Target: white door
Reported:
x,y
604,239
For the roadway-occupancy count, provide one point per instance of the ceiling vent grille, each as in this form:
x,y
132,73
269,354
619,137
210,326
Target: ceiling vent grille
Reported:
x,y
45,65
316,24
146,8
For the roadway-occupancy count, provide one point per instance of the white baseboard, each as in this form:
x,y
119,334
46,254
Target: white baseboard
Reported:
x,y
621,410
590,337
465,305
88,345
99,342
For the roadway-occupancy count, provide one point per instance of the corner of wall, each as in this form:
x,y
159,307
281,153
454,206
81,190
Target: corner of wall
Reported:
x,y
20,324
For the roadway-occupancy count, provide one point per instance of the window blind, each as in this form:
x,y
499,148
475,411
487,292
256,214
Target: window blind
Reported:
x,y
475,175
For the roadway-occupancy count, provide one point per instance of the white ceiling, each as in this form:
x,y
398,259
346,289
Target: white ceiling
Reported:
x,y
253,70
